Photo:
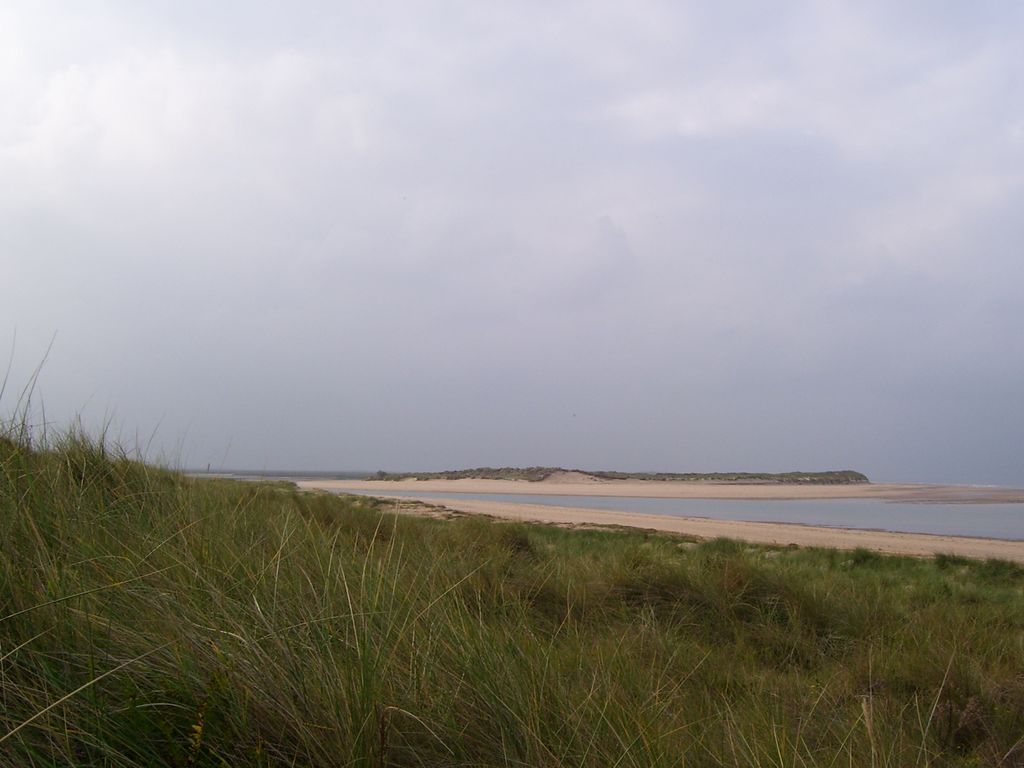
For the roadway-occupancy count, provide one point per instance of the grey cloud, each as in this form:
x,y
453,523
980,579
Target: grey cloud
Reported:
x,y
425,236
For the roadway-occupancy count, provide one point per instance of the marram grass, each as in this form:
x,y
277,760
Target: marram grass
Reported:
x,y
151,619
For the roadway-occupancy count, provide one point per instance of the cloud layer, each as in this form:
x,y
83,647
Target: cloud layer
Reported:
x,y
662,236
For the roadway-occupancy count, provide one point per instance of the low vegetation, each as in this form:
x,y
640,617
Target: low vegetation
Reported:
x,y
537,474
151,619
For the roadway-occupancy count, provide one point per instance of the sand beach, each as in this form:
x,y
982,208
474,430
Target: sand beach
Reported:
x,y
783,534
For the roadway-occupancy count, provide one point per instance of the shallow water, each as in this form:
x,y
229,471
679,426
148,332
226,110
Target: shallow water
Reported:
x,y
996,521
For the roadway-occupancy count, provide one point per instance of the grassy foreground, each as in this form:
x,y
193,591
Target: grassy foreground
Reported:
x,y
151,619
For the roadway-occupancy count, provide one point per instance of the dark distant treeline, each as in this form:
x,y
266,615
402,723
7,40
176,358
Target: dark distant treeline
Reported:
x,y
536,474
531,474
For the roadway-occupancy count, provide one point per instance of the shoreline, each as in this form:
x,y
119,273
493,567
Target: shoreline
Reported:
x,y
778,534
672,489
770,533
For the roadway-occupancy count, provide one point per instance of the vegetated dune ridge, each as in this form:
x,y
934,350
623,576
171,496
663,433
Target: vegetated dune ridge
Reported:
x,y
559,474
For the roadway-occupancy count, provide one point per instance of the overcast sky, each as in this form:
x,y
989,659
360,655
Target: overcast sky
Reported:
x,y
661,236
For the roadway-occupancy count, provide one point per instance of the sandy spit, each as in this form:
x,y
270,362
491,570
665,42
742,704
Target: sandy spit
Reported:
x,y
920,545
652,489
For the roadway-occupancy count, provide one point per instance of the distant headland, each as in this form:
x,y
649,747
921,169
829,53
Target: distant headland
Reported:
x,y
540,474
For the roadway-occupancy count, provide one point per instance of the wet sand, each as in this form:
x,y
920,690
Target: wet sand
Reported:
x,y
921,545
